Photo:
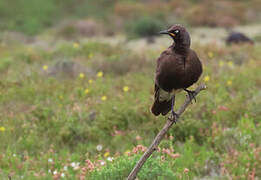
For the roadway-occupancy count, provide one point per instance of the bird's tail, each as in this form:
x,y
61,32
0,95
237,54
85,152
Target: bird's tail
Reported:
x,y
161,107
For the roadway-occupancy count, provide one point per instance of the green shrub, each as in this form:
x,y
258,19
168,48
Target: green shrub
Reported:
x,y
145,27
29,16
4,63
152,169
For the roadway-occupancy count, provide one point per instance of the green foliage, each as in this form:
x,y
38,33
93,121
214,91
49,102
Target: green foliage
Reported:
x,y
145,27
161,166
4,63
33,16
121,167
49,122
257,38
29,16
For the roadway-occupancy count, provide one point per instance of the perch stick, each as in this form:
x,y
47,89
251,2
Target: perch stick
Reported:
x,y
171,119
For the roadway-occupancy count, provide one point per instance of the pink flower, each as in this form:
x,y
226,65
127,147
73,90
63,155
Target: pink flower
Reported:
x,y
223,108
139,148
138,138
89,165
214,112
162,158
117,132
175,155
186,170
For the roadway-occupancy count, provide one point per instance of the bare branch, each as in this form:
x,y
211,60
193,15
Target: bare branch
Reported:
x,y
161,134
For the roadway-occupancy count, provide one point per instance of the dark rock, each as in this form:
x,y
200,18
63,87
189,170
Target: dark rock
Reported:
x,y
237,38
92,115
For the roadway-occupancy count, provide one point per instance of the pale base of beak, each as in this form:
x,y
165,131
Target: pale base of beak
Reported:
x,y
172,34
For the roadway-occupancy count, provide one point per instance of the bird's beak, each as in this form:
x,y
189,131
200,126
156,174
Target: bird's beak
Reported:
x,y
164,32
167,32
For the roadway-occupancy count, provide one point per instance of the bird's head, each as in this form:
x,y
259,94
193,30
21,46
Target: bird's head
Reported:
x,y
179,34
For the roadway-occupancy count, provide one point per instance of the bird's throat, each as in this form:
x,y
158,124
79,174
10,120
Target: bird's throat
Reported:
x,y
180,48
182,45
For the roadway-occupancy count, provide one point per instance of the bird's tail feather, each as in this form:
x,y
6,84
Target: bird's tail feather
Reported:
x,y
161,107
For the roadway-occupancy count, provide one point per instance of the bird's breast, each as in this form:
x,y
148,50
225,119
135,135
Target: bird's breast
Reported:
x,y
170,75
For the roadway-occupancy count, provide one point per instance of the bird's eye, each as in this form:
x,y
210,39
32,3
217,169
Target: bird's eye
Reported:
x,y
176,31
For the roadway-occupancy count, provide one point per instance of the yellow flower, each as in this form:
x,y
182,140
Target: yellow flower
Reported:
x,y
100,74
86,91
90,55
229,82
206,78
61,97
210,54
230,63
2,129
81,75
221,63
251,61
29,50
104,98
106,154
125,88
127,152
90,81
45,67
75,45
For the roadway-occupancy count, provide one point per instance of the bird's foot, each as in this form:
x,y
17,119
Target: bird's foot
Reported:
x,y
174,117
191,95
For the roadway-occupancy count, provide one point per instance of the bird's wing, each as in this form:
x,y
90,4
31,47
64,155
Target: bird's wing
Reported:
x,y
160,59
156,91
160,107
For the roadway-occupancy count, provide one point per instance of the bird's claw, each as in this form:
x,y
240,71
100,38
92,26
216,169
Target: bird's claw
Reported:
x,y
174,117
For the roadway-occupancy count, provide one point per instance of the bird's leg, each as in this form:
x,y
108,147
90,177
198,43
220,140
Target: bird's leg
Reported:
x,y
191,94
172,109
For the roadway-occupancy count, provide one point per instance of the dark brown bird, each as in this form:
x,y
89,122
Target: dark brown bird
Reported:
x,y
178,68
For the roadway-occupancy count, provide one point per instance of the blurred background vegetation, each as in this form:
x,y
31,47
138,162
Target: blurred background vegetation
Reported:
x,y
34,16
76,86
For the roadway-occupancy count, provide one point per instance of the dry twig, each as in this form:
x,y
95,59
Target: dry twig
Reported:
x,y
161,134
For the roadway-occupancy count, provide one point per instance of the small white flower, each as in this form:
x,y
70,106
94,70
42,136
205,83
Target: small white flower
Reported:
x,y
55,172
49,171
14,155
65,168
22,177
102,163
76,168
99,147
73,164
62,175
110,158
50,160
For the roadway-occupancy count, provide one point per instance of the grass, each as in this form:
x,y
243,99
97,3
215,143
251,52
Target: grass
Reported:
x,y
73,125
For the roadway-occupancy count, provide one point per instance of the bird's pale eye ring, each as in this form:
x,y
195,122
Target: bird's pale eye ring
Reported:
x,y
176,31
